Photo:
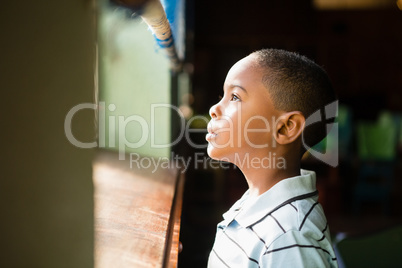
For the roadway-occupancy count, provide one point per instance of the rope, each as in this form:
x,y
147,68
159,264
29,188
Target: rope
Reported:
x,y
155,17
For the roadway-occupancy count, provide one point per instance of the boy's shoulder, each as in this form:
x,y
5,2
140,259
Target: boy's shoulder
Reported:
x,y
283,196
297,222
304,216
291,204
285,217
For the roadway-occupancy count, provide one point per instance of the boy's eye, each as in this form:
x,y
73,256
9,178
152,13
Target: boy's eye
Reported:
x,y
234,98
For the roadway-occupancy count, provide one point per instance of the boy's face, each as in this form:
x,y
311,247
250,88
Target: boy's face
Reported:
x,y
242,121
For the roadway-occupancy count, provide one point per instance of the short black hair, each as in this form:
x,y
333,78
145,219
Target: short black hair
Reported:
x,y
296,83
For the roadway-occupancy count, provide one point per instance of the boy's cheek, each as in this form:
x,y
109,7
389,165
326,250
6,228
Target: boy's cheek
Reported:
x,y
226,139
256,132
256,139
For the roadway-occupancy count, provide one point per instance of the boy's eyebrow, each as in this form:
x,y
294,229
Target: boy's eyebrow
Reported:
x,y
236,85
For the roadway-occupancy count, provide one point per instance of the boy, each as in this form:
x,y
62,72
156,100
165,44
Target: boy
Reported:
x,y
278,222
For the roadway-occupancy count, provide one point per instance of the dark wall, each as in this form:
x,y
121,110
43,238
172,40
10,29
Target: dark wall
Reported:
x,y
360,49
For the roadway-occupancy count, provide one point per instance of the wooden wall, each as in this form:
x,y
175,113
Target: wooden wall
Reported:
x,y
46,193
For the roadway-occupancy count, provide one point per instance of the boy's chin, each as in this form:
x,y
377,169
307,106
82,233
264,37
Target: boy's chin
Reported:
x,y
216,154
211,151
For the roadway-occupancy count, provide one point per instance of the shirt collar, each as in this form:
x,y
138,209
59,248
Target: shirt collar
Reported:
x,y
247,212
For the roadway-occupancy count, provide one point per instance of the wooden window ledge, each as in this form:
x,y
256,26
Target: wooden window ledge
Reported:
x,y
137,213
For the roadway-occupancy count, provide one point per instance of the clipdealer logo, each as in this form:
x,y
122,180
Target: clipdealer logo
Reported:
x,y
118,124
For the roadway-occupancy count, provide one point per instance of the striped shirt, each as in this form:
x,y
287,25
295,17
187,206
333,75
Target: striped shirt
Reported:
x,y
283,227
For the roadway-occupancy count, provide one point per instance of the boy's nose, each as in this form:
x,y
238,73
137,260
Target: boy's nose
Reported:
x,y
213,111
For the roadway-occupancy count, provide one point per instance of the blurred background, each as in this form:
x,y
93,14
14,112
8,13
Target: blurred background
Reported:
x,y
359,44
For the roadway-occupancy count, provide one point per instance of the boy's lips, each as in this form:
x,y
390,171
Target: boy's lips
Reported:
x,y
211,134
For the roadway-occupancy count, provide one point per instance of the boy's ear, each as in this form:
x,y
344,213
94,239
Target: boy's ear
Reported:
x,y
289,127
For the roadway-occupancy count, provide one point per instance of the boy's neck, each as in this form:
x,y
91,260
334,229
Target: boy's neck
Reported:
x,y
261,179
